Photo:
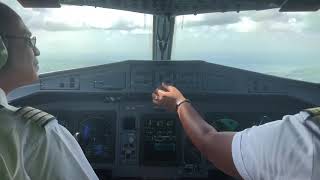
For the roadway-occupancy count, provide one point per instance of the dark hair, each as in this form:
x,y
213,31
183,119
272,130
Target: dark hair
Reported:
x,y
8,18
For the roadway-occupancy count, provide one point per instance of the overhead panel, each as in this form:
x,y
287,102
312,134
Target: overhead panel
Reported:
x,y
182,7
178,7
298,5
40,3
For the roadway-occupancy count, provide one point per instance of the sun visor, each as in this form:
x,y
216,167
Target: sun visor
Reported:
x,y
40,3
299,5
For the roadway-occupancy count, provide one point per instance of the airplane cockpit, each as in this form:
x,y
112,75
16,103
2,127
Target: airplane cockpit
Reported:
x,y
106,103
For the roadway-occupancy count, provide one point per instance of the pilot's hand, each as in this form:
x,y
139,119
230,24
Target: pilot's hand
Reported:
x,y
167,96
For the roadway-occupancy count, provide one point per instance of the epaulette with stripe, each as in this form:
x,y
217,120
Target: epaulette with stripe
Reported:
x,y
313,118
34,115
314,114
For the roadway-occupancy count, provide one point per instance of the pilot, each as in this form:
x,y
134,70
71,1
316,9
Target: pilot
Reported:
x,y
32,143
283,149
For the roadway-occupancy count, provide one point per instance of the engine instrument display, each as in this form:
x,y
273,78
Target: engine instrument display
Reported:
x,y
159,141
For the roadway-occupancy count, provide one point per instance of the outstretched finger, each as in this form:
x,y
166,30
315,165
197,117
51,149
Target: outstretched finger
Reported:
x,y
167,87
161,92
164,86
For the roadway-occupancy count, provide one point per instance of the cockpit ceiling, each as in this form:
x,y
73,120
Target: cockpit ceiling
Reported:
x,y
182,7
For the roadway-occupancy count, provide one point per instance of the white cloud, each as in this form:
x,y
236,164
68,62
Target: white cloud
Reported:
x,y
244,25
97,18
80,17
208,19
254,21
291,25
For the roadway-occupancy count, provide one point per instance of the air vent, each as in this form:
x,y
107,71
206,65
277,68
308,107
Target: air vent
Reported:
x,y
40,3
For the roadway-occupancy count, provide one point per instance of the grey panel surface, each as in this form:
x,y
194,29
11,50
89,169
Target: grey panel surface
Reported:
x,y
110,80
189,76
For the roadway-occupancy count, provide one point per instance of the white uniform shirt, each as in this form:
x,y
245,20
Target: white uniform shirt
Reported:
x,y
279,150
31,152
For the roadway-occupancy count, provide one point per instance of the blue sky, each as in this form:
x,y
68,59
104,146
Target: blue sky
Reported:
x,y
282,44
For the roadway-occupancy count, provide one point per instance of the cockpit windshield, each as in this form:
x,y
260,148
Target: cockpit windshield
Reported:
x,y
269,41
272,42
80,36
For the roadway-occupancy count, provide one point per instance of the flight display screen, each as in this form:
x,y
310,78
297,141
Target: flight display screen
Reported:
x,y
159,141
237,121
97,137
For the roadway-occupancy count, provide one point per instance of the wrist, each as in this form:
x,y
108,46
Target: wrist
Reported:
x,y
180,99
181,103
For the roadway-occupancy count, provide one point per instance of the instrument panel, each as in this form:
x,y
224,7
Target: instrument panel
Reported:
x,y
134,138
123,134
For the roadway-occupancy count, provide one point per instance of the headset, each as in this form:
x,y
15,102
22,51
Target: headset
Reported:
x,y
3,54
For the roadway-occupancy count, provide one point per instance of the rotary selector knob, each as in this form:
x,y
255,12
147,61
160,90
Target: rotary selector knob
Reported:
x,y
131,139
128,151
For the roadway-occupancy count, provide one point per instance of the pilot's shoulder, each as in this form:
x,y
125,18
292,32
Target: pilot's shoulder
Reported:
x,y
6,116
314,115
34,116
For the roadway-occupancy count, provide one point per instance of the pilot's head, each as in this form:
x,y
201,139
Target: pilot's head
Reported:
x,y
21,66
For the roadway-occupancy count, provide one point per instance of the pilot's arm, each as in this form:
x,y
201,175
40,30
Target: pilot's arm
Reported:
x,y
216,146
57,155
283,149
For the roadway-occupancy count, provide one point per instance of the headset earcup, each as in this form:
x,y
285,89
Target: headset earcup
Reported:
x,y
3,53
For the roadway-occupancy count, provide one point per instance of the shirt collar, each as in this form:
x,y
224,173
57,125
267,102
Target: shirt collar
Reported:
x,y
4,101
3,98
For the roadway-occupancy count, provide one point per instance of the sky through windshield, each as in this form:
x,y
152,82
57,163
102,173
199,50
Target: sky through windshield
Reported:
x,y
281,44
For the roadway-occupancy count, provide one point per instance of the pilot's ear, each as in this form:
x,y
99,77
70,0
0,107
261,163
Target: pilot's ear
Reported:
x,y
3,53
